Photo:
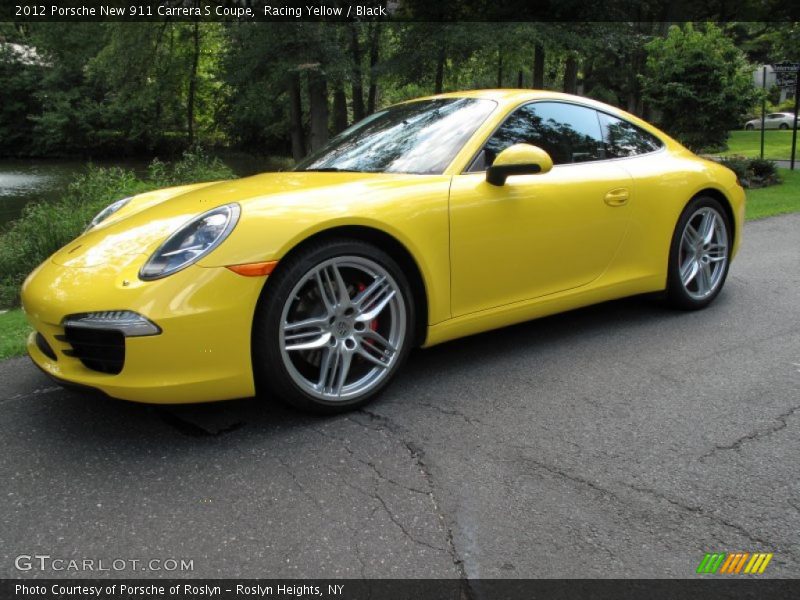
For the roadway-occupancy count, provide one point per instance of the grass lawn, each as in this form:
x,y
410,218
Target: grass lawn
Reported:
x,y
764,202
777,144
776,199
14,330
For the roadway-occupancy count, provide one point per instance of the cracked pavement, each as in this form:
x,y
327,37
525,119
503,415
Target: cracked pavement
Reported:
x,y
622,440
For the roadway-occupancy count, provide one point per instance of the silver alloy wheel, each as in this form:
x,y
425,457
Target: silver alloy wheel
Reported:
x,y
342,328
703,254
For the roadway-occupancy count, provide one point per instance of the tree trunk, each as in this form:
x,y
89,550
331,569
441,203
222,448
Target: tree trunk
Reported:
x,y
296,117
190,102
374,55
339,109
438,85
499,67
358,84
571,75
588,77
318,109
538,67
519,79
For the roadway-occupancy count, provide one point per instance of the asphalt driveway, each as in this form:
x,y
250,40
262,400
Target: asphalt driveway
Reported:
x,y
623,440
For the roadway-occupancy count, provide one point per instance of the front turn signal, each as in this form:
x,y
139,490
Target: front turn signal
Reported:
x,y
258,269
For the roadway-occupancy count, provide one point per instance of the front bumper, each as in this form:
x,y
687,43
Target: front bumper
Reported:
x,y
205,315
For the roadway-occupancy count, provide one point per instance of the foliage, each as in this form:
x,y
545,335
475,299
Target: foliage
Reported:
x,y
44,227
14,330
17,101
700,82
114,89
762,168
752,172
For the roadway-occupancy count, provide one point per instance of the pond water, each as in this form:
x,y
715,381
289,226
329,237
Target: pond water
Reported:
x,y
23,181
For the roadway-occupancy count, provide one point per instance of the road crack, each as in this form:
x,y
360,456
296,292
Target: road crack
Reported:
x,y
450,412
754,436
368,463
400,525
417,454
677,503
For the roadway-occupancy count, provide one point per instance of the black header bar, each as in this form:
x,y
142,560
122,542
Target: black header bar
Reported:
x,y
398,10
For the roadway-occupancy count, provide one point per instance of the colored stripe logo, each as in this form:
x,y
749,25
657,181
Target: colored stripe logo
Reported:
x,y
734,563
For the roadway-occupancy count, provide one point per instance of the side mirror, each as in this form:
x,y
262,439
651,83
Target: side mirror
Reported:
x,y
519,159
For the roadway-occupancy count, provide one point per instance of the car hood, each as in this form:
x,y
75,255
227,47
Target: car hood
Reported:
x,y
149,218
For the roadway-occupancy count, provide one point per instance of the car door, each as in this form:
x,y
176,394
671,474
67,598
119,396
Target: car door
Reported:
x,y
772,121
537,234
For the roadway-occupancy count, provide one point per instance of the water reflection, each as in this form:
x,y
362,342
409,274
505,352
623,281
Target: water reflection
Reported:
x,y
24,181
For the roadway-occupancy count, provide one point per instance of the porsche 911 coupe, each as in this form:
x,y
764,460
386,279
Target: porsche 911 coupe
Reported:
x,y
430,220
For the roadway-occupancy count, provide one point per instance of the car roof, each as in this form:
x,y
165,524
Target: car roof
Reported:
x,y
506,97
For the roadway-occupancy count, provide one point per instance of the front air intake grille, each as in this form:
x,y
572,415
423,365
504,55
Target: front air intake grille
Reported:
x,y
98,349
44,347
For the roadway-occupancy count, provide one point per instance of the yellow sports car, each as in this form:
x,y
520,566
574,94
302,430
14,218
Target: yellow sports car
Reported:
x,y
427,221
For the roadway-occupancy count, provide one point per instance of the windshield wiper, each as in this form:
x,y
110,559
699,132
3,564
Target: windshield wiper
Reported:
x,y
333,170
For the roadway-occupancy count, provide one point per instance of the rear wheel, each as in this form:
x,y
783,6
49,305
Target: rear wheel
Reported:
x,y
783,126
334,326
699,254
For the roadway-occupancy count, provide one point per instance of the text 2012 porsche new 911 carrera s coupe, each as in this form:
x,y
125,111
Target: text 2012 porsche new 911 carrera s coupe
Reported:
x,y
429,220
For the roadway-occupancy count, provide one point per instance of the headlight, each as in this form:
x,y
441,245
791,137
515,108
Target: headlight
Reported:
x,y
108,211
191,242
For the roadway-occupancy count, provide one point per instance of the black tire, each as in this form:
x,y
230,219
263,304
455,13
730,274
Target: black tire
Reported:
x,y
749,127
272,375
783,126
678,296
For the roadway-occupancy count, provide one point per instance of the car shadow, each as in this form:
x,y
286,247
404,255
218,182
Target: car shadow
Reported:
x,y
98,421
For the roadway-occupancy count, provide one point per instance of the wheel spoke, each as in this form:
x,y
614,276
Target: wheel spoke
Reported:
x,y
376,348
328,366
333,271
704,278
328,299
690,236
717,252
332,287
371,302
345,358
707,227
306,335
688,271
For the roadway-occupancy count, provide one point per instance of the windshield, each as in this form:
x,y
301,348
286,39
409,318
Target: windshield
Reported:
x,y
419,137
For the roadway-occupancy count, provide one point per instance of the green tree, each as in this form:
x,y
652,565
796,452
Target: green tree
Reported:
x,y
700,82
20,71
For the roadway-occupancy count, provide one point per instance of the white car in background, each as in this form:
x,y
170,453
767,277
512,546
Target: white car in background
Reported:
x,y
781,120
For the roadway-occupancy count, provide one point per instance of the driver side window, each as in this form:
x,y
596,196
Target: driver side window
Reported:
x,y
567,132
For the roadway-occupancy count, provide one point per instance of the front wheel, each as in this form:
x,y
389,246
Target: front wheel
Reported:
x,y
699,255
783,126
333,327
749,127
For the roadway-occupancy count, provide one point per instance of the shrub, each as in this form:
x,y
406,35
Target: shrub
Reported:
x,y
752,172
700,82
737,164
44,227
763,168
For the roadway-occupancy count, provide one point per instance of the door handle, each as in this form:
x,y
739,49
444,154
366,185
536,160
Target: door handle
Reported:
x,y
617,197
